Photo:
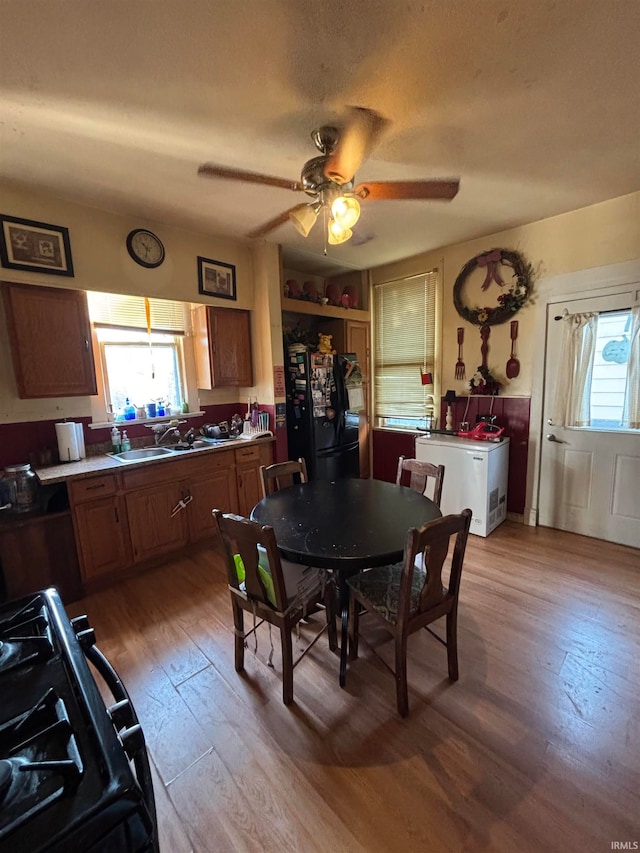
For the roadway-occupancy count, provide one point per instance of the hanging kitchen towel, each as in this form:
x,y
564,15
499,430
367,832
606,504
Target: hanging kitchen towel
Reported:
x,y
67,442
80,439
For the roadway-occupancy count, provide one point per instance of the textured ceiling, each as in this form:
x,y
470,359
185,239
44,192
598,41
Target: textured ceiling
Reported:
x,y
534,105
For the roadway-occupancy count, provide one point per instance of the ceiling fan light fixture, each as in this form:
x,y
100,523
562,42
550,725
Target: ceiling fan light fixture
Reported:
x,y
337,234
304,218
345,211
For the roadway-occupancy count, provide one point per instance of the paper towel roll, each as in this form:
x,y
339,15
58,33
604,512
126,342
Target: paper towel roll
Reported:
x,y
80,439
67,442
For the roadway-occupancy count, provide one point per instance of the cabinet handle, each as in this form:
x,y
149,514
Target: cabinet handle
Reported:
x,y
182,503
86,344
115,512
93,488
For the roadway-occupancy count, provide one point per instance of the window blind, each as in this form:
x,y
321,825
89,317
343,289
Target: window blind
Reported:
x,y
404,323
111,309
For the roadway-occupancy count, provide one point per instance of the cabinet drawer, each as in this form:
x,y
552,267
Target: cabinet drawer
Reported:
x,y
246,455
93,487
167,471
203,464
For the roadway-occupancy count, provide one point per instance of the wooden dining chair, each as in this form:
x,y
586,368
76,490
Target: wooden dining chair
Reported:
x,y
282,474
417,474
405,598
259,585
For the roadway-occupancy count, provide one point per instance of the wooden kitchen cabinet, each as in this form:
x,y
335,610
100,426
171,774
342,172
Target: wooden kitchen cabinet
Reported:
x,y
248,462
50,339
215,489
202,482
153,527
145,512
102,537
100,524
222,342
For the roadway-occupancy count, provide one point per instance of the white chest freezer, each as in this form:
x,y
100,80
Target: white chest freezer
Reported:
x,y
475,476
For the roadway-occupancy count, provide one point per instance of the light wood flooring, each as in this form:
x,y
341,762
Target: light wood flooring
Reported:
x,y
535,748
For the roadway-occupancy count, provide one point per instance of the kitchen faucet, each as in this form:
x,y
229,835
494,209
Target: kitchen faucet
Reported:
x,y
160,436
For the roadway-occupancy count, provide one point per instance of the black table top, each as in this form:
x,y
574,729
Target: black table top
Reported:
x,y
347,524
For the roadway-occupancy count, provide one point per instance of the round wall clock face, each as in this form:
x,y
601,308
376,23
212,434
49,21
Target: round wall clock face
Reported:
x,y
145,248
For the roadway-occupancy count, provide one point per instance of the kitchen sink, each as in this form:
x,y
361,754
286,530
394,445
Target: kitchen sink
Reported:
x,y
142,453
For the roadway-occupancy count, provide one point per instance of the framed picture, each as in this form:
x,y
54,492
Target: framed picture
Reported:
x,y
216,278
35,246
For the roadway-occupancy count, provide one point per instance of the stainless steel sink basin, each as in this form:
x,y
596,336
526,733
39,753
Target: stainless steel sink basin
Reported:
x,y
142,453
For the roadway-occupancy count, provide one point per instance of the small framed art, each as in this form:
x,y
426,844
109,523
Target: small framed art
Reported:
x,y
35,246
216,278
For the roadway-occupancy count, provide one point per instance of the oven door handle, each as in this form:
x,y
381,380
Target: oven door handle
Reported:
x,y
140,758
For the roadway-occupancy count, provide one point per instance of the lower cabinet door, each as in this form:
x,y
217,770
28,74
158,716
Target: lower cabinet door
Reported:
x,y
101,530
249,488
217,491
157,520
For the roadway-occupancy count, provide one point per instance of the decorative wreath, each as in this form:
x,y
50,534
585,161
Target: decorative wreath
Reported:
x,y
513,294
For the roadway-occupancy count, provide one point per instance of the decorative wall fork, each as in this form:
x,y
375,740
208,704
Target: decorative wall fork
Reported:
x,y
460,370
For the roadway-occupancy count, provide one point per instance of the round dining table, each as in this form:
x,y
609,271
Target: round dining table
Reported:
x,y
344,526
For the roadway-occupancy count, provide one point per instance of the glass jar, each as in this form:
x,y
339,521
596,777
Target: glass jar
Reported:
x,y
26,486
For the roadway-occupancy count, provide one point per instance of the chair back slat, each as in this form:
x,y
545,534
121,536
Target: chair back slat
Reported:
x,y
280,475
433,541
416,475
242,536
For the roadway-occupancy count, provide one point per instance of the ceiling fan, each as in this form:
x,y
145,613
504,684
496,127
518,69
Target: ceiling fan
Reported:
x,y
329,179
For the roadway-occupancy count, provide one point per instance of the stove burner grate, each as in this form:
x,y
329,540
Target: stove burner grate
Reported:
x,y
39,760
25,636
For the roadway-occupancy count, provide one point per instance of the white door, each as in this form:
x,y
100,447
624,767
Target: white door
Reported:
x,y
589,477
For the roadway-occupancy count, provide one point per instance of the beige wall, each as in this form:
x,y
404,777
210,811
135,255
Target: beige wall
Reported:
x,y
603,234
101,262
595,236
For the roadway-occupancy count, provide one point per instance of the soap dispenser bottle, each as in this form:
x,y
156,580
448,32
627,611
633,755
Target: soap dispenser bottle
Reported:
x,y
126,442
115,440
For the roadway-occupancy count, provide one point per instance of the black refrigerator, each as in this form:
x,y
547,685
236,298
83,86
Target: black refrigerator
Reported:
x,y
320,426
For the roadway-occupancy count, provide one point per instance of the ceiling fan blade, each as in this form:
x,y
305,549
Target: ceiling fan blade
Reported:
x,y
400,190
356,140
273,223
210,170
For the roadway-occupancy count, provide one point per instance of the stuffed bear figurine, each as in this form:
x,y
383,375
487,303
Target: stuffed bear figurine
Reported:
x,y
324,344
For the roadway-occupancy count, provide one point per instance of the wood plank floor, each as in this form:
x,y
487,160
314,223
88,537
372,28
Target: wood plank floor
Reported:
x,y
535,748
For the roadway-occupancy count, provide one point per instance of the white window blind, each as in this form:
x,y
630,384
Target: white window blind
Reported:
x,y
111,309
404,322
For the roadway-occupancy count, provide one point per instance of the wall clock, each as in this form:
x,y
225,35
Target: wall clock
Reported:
x,y
145,248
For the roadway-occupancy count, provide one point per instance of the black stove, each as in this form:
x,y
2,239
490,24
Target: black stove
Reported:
x,y
74,774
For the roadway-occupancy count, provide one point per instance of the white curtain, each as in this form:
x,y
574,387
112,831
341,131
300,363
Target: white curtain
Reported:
x,y
575,369
631,411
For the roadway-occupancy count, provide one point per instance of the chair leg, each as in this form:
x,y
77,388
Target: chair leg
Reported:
x,y
452,644
287,664
402,693
330,607
354,626
238,628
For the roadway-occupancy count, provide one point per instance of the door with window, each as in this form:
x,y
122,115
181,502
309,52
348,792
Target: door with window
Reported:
x,y
590,472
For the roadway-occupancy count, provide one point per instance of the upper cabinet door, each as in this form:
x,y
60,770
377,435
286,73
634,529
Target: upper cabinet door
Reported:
x,y
223,347
50,338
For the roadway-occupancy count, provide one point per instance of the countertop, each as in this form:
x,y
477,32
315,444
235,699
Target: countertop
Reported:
x,y
65,471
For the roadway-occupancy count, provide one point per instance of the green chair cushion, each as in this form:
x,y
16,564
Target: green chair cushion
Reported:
x,y
302,582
